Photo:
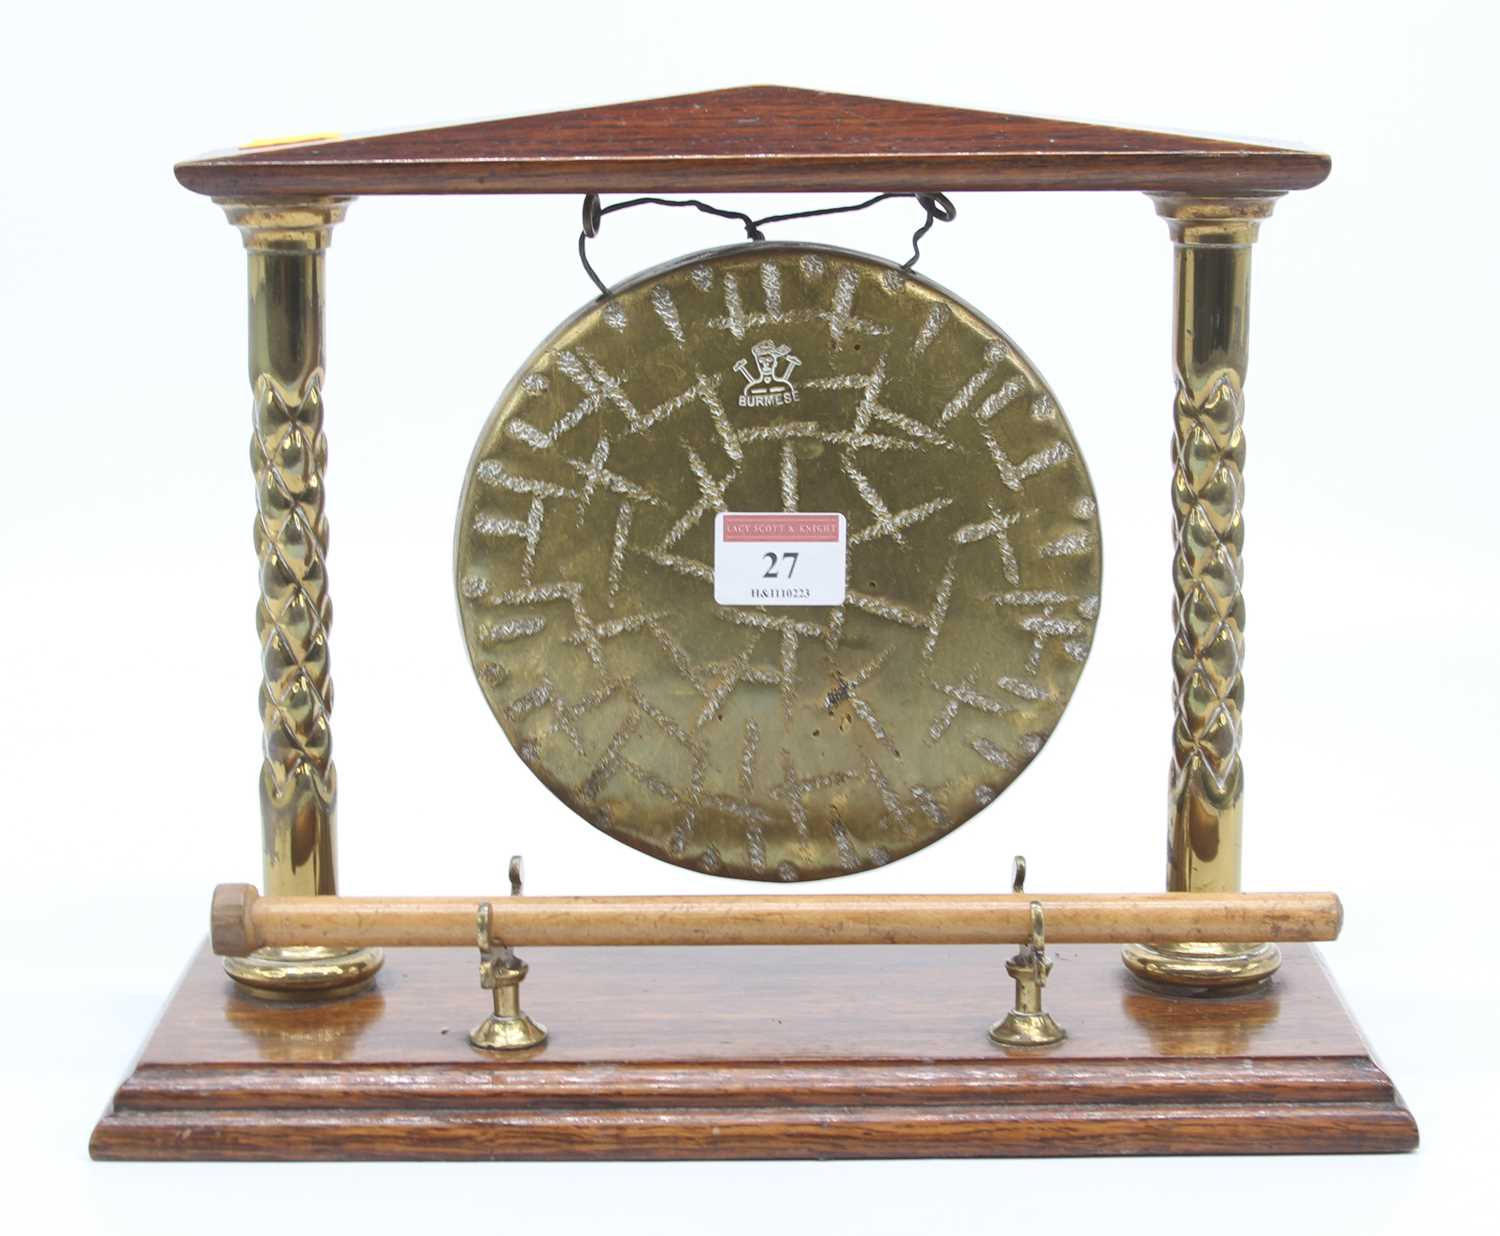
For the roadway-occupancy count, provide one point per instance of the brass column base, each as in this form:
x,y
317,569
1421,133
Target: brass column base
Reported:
x,y
1202,969
309,973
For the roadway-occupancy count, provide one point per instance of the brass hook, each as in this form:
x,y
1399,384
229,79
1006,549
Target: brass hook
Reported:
x,y
482,929
501,972
1028,1024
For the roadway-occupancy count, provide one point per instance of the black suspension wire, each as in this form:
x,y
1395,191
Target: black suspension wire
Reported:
x,y
936,207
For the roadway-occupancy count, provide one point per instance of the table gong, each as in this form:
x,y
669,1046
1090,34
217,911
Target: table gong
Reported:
x,y
786,741
776,562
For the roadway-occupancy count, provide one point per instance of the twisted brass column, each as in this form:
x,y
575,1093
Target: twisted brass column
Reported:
x,y
1212,239
285,243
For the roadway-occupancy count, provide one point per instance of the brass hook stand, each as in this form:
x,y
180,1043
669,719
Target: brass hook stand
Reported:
x,y
501,972
1028,1024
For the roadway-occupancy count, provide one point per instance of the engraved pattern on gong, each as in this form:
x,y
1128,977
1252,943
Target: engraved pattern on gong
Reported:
x,y
767,743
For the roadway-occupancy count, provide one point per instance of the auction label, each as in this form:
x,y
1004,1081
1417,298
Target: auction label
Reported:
x,y
779,558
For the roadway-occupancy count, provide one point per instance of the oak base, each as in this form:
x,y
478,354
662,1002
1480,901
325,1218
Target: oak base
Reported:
x,y
754,1053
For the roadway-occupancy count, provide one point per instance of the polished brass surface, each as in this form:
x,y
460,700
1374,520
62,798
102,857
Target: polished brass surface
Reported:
x,y
1028,1024
284,244
777,743
1202,969
305,972
501,973
1212,239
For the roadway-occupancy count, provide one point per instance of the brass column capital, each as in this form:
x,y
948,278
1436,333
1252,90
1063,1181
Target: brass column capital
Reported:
x,y
284,243
1214,222
286,226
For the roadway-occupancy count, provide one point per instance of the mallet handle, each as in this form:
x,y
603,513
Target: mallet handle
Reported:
x,y
243,921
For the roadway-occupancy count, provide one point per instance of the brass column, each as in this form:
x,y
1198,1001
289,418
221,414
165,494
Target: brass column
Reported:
x,y
285,243
1212,239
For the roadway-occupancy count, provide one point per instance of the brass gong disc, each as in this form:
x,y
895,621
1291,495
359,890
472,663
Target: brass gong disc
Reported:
x,y
779,742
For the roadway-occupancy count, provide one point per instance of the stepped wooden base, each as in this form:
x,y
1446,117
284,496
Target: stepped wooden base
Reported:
x,y
736,1053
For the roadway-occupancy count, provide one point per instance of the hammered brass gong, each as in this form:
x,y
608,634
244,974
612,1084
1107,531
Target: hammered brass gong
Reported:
x,y
777,742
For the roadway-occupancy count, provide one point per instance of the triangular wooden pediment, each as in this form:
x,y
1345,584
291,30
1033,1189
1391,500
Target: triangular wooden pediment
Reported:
x,y
755,139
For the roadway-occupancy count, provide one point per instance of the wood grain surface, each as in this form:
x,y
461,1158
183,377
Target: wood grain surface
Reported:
x,y
760,139
789,1052
241,920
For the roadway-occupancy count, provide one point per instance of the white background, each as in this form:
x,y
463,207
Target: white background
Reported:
x,y
129,733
